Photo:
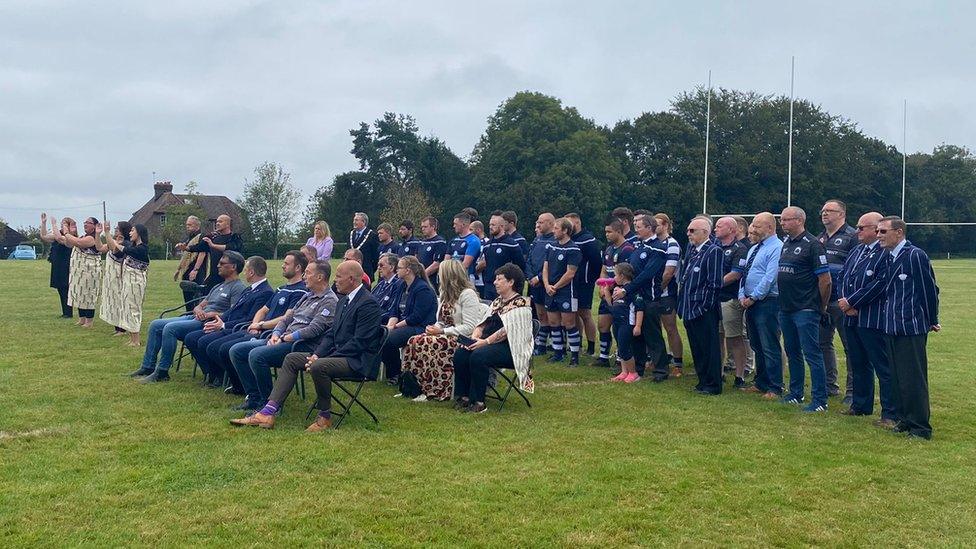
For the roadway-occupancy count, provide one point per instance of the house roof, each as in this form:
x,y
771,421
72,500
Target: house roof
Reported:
x,y
212,205
11,237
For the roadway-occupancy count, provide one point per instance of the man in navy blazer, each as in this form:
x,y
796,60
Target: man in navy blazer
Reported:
x,y
862,288
346,350
252,299
911,311
699,307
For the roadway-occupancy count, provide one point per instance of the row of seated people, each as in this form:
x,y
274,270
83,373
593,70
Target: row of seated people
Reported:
x,y
240,332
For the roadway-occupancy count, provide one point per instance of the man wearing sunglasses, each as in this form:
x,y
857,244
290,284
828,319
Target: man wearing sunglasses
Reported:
x,y
838,239
862,300
911,311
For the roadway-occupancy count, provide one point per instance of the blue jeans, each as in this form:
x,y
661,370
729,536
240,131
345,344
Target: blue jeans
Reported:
x,y
163,334
763,325
253,361
801,338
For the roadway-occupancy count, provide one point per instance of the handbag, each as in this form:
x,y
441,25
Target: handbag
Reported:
x,y
408,385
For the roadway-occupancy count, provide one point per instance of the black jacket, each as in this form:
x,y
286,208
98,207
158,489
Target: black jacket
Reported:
x,y
354,333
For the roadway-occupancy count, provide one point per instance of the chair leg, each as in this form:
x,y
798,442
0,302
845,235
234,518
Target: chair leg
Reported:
x,y
301,384
353,399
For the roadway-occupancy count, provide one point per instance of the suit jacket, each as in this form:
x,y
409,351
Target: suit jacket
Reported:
x,y
369,245
354,333
862,284
250,302
420,309
911,296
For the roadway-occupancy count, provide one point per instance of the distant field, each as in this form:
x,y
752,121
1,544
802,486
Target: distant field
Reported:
x,y
89,457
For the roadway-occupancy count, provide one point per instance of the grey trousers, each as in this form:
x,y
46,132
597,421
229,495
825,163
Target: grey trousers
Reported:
x,y
322,372
829,354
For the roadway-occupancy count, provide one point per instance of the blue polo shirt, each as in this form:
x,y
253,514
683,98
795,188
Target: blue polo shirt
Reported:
x,y
469,245
285,298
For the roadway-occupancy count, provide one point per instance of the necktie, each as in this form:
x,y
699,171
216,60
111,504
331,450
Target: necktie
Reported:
x,y
752,258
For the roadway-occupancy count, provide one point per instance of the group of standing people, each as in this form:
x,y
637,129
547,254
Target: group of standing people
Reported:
x,y
82,278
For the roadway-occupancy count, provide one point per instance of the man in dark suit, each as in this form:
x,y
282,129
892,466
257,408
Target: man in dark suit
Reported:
x,y
345,350
911,311
364,239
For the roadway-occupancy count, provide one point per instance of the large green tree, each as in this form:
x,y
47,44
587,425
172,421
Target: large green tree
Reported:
x,y
537,155
270,201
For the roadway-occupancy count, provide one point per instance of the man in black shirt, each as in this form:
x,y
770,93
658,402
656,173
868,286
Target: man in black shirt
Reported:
x,y
838,239
734,251
223,239
804,290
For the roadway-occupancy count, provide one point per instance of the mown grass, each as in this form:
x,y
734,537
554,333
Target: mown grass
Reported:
x,y
89,457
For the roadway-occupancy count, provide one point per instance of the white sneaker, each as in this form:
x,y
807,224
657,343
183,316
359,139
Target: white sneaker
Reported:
x,y
421,398
398,395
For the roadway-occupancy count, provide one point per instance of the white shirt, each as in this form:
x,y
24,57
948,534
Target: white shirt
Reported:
x,y
897,250
258,283
352,294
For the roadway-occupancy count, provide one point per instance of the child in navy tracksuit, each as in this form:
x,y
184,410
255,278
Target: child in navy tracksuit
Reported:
x,y
628,316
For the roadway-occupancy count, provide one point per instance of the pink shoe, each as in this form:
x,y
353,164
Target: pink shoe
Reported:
x,y
632,377
619,377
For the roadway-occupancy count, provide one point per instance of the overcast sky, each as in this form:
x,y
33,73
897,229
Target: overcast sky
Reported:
x,y
96,96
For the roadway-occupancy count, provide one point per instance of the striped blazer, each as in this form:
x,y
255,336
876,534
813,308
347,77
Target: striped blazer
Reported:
x,y
911,296
701,280
862,282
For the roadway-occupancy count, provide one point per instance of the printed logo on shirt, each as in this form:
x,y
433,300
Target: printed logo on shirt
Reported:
x,y
559,257
326,312
281,300
643,255
499,250
796,251
429,248
728,252
823,260
838,241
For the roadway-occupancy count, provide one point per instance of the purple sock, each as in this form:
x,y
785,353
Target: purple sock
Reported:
x,y
325,414
270,409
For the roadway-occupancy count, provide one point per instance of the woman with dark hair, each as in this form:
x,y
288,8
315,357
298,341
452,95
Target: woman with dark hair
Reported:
x,y
418,309
503,340
429,356
112,275
135,265
60,257
85,278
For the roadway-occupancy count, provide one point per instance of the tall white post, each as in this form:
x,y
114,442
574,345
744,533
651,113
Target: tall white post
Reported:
x,y
708,123
789,167
904,154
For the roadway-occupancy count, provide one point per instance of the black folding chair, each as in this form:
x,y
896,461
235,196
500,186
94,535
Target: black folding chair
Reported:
x,y
510,377
183,351
344,407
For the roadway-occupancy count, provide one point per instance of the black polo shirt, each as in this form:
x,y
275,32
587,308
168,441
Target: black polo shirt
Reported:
x,y
733,259
802,260
838,247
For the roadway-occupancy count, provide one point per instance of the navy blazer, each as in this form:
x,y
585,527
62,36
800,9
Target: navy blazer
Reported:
x,y
388,294
421,306
862,283
701,280
248,304
911,296
354,334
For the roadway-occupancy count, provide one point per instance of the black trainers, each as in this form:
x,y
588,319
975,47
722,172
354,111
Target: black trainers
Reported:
x,y
141,372
476,408
739,383
461,404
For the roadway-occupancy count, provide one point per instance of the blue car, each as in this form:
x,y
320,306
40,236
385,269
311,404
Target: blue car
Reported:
x,y
23,251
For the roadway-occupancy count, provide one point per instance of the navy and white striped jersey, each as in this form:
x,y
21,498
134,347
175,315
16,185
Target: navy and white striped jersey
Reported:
x,y
391,247
632,238
648,261
911,296
497,252
285,298
537,255
561,256
589,267
522,242
700,281
410,246
838,247
673,253
616,254
862,283
431,250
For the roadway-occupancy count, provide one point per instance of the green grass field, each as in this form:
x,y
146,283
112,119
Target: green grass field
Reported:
x,y
89,457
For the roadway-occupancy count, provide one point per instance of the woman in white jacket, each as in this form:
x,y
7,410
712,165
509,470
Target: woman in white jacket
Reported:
x,y
430,356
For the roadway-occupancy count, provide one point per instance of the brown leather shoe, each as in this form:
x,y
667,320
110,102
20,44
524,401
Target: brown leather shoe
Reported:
x,y
256,420
885,423
320,424
770,396
677,371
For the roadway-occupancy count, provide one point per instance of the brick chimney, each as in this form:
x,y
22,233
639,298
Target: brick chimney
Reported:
x,y
162,187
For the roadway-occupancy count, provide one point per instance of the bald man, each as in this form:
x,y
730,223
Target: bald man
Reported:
x,y
862,301
804,291
346,351
698,306
734,250
222,239
759,296
533,273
